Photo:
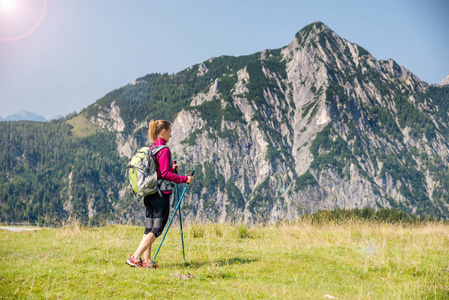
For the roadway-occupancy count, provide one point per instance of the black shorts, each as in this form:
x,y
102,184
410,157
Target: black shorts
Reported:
x,y
156,214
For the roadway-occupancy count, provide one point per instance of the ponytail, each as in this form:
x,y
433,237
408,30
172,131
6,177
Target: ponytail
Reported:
x,y
156,126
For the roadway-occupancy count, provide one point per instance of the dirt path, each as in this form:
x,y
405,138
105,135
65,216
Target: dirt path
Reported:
x,y
17,229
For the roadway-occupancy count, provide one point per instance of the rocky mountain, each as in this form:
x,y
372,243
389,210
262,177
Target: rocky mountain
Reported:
x,y
317,124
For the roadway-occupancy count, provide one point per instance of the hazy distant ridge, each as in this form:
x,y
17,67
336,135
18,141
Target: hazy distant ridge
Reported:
x,y
28,116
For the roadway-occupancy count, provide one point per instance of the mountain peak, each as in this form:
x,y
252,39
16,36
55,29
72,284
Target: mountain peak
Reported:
x,y
326,48
318,25
319,33
311,30
445,81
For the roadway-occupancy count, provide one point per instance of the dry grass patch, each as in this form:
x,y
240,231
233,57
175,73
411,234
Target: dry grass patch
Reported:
x,y
82,127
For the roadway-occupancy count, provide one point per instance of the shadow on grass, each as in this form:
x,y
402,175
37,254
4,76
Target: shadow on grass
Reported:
x,y
216,263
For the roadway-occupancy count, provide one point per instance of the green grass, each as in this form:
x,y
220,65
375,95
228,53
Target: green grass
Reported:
x,y
353,260
82,127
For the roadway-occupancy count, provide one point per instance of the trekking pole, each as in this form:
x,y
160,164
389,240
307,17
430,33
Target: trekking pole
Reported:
x,y
180,218
168,227
182,235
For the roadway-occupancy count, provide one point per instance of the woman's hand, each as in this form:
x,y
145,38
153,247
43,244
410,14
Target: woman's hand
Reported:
x,y
190,179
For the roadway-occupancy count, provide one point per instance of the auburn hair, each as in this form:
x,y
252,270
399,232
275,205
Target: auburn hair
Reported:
x,y
156,126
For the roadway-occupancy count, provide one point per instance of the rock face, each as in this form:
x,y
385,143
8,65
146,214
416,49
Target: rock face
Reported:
x,y
318,124
109,118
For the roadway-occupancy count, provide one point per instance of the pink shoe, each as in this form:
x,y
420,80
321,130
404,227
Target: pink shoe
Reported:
x,y
134,263
155,266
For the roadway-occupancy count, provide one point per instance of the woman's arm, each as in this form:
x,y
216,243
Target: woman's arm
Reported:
x,y
164,159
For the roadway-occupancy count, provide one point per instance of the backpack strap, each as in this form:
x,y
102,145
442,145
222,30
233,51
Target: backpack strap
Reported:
x,y
156,149
162,184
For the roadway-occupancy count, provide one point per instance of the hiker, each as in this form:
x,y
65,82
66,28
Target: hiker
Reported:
x,y
158,205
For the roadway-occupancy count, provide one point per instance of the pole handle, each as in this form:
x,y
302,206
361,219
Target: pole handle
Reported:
x,y
192,172
176,162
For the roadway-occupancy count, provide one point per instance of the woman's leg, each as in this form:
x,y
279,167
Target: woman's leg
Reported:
x,y
145,246
147,253
147,236
156,216
160,217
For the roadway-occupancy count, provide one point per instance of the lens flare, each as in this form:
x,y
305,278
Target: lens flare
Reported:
x,y
10,9
8,6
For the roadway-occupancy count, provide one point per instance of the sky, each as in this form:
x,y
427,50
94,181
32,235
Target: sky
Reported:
x,y
59,56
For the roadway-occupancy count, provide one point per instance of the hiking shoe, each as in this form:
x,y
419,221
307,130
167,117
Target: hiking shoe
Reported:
x,y
155,266
133,262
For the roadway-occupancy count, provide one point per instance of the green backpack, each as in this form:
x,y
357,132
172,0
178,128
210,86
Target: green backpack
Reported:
x,y
142,171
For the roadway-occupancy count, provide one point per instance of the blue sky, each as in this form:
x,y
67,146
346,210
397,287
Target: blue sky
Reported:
x,y
83,49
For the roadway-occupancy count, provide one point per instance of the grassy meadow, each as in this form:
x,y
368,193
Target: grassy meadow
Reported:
x,y
81,126
299,260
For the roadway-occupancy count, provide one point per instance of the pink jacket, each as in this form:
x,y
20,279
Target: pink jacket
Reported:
x,y
164,167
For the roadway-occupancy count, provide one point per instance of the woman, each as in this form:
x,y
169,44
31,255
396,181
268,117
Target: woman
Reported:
x,y
157,205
